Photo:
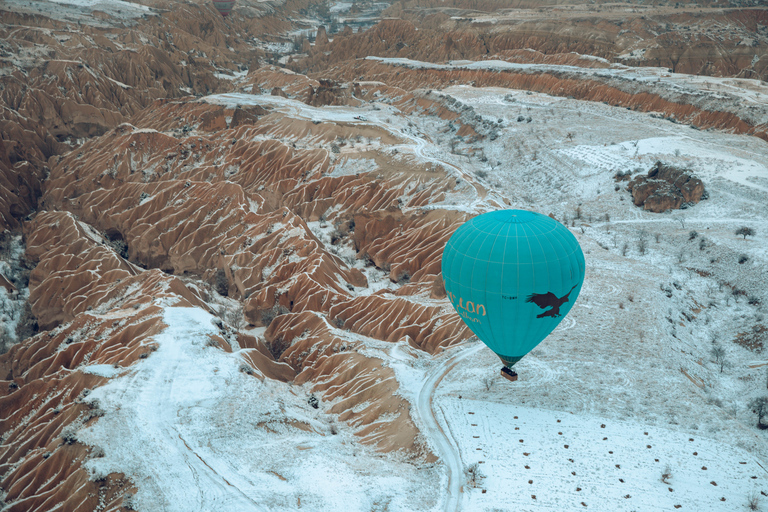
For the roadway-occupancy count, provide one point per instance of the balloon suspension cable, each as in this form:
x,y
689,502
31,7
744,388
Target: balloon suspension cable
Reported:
x,y
508,373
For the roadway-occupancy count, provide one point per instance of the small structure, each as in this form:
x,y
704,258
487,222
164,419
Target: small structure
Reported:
x,y
509,374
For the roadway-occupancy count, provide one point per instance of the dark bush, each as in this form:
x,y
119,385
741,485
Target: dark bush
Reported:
x,y
220,283
27,326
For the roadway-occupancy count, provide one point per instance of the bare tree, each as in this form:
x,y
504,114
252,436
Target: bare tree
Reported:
x,y
642,241
759,406
745,232
473,474
718,353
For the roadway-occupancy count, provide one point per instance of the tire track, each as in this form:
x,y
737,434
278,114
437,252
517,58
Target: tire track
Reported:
x,y
448,450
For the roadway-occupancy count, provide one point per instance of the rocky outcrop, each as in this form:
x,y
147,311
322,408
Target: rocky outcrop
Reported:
x,y
330,92
666,188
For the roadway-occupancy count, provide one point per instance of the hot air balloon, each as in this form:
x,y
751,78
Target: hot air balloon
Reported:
x,y
512,275
224,6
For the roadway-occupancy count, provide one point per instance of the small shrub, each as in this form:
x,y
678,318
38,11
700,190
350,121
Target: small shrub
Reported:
x,y
336,236
6,341
743,258
277,346
69,435
753,501
692,235
642,245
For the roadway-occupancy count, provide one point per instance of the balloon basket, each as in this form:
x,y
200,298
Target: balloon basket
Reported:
x,y
509,374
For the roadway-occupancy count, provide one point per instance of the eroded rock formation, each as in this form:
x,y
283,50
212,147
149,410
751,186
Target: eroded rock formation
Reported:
x,y
134,195
666,188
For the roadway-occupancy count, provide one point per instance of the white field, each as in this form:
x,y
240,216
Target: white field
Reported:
x,y
194,432
633,354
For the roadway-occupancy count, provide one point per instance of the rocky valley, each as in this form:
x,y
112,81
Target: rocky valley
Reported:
x,y
221,243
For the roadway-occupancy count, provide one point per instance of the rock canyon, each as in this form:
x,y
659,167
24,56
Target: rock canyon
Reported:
x,y
221,243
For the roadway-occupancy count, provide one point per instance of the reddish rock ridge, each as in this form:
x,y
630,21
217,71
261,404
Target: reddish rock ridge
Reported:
x,y
72,81
328,360
232,208
211,227
689,42
108,316
76,271
560,84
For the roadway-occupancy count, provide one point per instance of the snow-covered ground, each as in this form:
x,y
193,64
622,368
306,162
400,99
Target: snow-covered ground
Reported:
x,y
536,459
196,433
81,11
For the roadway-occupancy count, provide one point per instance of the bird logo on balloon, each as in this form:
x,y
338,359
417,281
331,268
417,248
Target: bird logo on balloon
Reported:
x,y
549,300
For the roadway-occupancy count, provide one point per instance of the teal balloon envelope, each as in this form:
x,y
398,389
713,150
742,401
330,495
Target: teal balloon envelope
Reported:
x,y
512,276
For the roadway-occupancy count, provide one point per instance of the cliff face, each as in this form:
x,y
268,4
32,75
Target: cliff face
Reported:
x,y
716,42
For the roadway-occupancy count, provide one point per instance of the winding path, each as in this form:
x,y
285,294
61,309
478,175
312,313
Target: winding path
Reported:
x,y
447,449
